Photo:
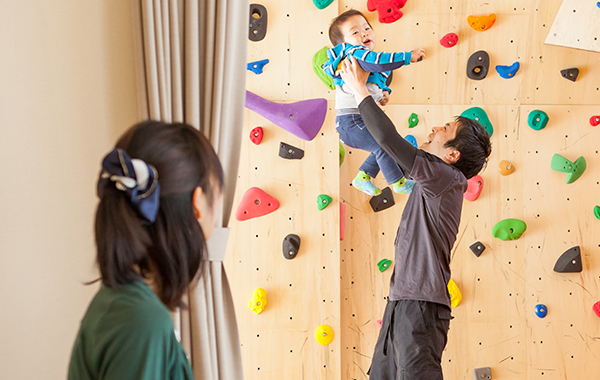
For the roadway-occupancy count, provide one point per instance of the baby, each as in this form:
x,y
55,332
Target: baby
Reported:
x,y
352,35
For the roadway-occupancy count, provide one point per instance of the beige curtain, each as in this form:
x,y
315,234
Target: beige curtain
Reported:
x,y
192,68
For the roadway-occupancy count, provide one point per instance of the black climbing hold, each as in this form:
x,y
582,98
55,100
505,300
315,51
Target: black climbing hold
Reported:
x,y
484,373
382,201
478,65
570,74
291,246
569,262
477,248
258,22
290,152
388,81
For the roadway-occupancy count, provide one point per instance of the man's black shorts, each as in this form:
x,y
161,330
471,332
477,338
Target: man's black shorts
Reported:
x,y
410,344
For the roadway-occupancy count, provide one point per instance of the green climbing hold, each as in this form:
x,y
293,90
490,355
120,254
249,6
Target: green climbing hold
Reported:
x,y
384,264
413,120
537,119
342,154
479,115
597,212
575,169
509,229
323,201
318,61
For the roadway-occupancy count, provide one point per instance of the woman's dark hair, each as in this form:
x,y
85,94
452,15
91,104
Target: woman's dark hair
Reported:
x,y
172,249
473,143
335,34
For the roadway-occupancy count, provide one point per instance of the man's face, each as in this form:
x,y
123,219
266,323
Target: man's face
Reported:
x,y
357,31
438,138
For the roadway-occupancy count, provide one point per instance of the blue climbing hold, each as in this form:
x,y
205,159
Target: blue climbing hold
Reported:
x,y
541,310
411,139
508,72
598,4
257,66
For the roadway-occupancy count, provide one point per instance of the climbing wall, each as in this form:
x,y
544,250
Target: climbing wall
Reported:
x,y
339,283
576,25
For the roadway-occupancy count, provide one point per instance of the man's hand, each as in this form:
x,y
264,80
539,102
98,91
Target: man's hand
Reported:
x,y
386,98
355,77
417,55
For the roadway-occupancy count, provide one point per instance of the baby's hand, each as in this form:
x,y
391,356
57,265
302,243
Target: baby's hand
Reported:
x,y
386,98
417,55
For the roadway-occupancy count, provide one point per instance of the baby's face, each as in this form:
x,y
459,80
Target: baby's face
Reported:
x,y
357,31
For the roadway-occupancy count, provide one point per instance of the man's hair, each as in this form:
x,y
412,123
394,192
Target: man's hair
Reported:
x,y
473,143
335,34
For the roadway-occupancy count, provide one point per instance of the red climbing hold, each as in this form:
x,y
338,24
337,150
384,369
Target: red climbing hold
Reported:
x,y
449,40
596,308
255,202
256,135
379,323
474,189
595,120
388,10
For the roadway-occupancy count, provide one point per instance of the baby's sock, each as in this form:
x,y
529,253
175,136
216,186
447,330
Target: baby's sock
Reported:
x,y
403,186
362,182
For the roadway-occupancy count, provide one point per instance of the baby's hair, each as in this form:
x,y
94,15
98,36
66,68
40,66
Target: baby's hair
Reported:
x,y
473,143
335,34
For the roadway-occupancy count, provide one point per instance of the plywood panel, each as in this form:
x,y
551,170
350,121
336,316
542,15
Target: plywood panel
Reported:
x,y
576,26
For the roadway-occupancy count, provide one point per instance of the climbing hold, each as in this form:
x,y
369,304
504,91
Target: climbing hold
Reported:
x,y
382,201
290,152
595,120
324,335
323,200
257,66
342,219
475,185
596,306
477,248
449,40
256,135
508,72
322,4
575,169
455,296
411,139
597,212
379,323
483,373
388,10
537,119
291,246
570,74
541,310
569,262
258,22
384,264
303,119
258,301
478,65
342,154
506,168
413,120
255,202
481,23
509,229
318,60
479,115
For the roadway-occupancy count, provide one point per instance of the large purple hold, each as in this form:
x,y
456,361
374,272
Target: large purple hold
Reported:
x,y
303,119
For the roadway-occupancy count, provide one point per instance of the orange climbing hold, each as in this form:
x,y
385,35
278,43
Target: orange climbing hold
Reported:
x,y
481,23
255,202
506,168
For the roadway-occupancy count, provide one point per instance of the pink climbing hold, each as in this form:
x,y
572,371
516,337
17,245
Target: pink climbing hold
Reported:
x,y
388,10
303,119
256,135
596,308
595,120
255,202
449,40
474,189
342,219
379,323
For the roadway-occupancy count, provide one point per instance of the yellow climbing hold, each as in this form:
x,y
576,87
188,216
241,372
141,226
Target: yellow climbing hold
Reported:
x,y
258,301
324,335
455,296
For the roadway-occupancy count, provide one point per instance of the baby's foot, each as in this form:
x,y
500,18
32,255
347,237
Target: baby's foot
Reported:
x,y
362,182
403,186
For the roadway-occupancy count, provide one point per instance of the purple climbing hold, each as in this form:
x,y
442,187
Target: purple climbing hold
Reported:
x,y
303,119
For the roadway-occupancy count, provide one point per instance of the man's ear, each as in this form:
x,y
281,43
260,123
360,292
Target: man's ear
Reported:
x,y
453,156
196,199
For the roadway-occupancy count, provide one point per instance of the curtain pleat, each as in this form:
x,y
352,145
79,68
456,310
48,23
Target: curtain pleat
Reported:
x,y
192,57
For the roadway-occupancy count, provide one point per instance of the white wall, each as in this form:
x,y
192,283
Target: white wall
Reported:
x,y
67,90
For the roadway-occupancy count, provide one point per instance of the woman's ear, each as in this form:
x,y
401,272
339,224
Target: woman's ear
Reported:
x,y
453,156
196,202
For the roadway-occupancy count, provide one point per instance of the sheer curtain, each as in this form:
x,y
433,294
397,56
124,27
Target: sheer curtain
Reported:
x,y
191,56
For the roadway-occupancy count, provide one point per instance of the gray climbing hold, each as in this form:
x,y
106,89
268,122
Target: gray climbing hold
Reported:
x,y
477,248
291,246
484,373
569,262
382,201
290,152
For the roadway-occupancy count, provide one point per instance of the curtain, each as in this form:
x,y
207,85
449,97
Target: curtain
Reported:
x,y
191,56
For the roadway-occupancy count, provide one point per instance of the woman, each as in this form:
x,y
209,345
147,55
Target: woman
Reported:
x,y
160,191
